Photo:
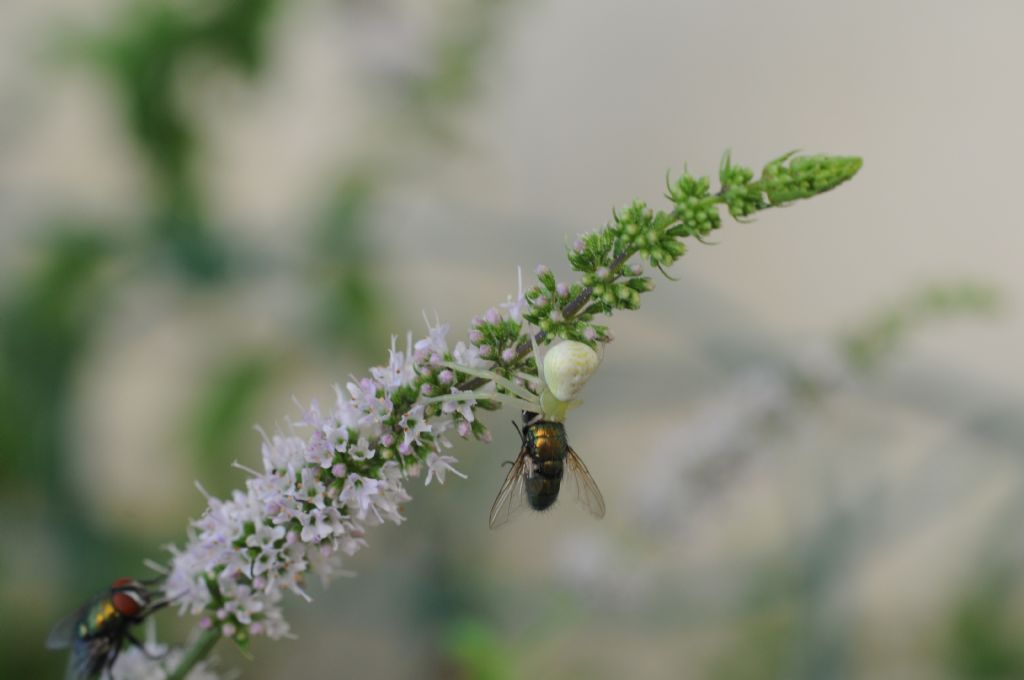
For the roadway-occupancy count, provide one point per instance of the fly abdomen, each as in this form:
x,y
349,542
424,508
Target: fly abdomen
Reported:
x,y
542,490
546,446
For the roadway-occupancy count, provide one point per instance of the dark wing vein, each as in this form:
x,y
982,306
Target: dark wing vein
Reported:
x,y
509,500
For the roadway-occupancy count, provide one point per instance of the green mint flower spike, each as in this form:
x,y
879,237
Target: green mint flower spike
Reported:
x,y
608,282
344,468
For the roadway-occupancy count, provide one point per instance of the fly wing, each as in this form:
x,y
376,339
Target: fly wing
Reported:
x,y
88,658
587,493
509,501
65,631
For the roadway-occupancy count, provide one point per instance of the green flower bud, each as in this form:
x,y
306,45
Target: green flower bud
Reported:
x,y
674,248
805,176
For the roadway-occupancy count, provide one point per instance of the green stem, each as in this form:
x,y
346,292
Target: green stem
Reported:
x,y
203,645
569,311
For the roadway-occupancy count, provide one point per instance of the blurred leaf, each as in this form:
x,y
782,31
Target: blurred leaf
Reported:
x,y
239,30
47,321
142,56
45,325
872,342
224,414
349,311
184,237
452,78
478,651
986,631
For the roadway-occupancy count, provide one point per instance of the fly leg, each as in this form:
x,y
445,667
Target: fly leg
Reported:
x,y
108,663
138,643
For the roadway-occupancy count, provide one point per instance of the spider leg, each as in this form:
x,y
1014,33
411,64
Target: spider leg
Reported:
x,y
536,357
498,380
494,396
527,378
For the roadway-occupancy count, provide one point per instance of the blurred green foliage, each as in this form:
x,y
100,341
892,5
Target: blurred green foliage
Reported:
x,y
984,637
479,652
46,323
153,59
873,341
156,60
348,311
144,56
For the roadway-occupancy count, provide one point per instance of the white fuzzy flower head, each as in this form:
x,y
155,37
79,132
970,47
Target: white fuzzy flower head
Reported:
x,y
567,368
152,663
333,475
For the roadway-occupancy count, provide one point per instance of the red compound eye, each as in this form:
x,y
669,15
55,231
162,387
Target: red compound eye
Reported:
x,y
126,604
122,582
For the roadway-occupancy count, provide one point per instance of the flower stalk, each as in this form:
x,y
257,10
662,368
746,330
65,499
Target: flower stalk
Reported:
x,y
194,653
657,237
343,470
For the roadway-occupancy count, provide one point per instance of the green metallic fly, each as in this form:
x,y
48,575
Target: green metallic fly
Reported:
x,y
98,630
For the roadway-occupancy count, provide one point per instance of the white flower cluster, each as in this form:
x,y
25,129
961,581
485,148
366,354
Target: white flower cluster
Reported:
x,y
153,662
319,491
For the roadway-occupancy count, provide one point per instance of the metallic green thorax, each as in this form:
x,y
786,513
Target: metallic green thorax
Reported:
x,y
100,619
